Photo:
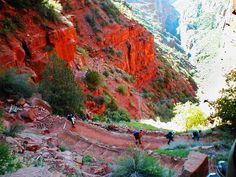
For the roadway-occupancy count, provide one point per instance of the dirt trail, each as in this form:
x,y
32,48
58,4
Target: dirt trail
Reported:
x,y
121,140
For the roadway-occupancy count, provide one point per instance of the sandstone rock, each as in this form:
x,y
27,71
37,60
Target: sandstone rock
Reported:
x,y
35,101
21,102
32,147
195,166
103,170
33,172
27,115
78,159
64,40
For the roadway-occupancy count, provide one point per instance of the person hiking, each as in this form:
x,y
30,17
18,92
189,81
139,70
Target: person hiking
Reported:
x,y
196,134
71,118
137,135
170,136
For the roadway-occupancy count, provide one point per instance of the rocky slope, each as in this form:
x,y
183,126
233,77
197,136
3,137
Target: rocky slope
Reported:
x,y
88,35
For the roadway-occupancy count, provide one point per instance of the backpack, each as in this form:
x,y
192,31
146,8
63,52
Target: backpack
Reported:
x,y
136,132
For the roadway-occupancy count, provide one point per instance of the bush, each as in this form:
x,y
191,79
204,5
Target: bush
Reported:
x,y
139,164
111,10
118,116
82,51
93,79
225,105
173,152
87,159
62,148
140,126
92,23
9,163
10,24
164,109
189,116
13,130
47,8
111,103
59,88
17,85
122,89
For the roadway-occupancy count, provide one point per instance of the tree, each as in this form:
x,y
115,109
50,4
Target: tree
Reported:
x,y
13,84
59,88
139,164
225,106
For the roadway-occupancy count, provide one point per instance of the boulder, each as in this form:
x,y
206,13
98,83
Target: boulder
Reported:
x,y
27,114
21,102
78,159
102,170
34,172
37,102
195,166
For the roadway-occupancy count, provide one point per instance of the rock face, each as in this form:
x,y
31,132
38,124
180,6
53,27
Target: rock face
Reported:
x,y
137,46
195,166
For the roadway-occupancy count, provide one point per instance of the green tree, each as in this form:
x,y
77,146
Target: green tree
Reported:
x,y
9,162
189,115
59,88
13,84
93,79
226,104
139,164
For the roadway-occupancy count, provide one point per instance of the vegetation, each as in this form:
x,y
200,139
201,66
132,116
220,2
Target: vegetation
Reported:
x,y
139,164
16,85
225,105
125,75
13,130
111,10
140,126
68,6
87,159
9,162
93,79
59,88
122,89
118,115
82,51
10,24
62,148
189,116
92,22
47,8
173,152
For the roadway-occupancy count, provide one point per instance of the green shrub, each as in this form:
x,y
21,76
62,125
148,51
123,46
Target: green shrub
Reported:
x,y
164,109
139,164
9,162
92,23
189,116
122,89
140,126
10,24
173,152
93,79
87,159
47,8
62,148
111,103
82,51
17,85
225,105
59,88
118,115
111,10
68,5
13,130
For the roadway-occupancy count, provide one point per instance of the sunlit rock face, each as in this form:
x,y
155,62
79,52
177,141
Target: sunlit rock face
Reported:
x,y
160,18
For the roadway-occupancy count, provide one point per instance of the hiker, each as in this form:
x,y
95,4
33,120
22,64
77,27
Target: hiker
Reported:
x,y
170,136
196,135
71,118
137,135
